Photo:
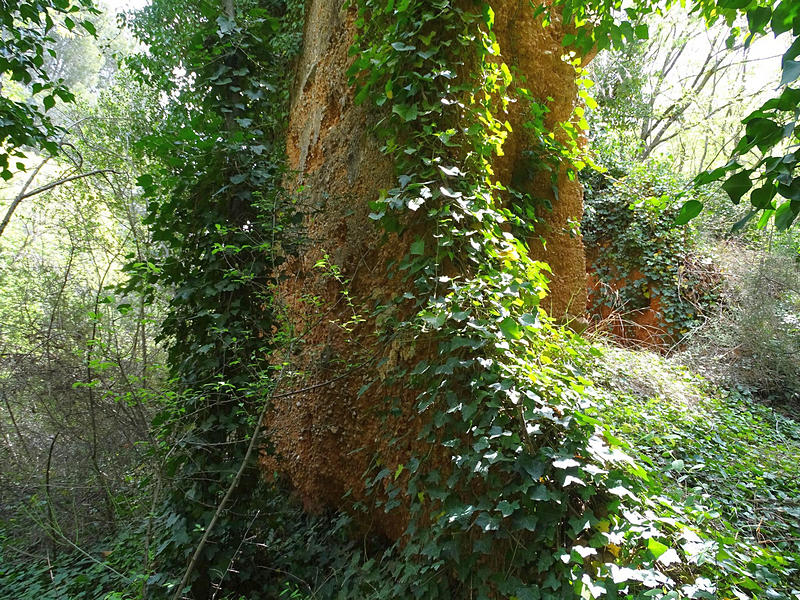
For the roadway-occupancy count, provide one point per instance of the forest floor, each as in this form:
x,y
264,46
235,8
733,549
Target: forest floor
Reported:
x,y
721,452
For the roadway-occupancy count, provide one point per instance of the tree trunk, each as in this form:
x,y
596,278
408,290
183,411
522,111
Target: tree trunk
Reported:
x,y
325,439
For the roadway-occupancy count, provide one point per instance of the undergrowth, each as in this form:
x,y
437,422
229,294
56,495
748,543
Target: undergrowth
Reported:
x,y
753,340
731,461
719,473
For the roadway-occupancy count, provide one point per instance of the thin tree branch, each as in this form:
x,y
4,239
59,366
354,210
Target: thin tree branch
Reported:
x,y
242,466
23,194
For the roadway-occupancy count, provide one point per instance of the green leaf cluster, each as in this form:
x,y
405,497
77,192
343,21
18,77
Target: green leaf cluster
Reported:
x,y
25,42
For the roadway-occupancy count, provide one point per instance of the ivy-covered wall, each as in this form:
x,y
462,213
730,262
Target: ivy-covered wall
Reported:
x,y
649,284
327,438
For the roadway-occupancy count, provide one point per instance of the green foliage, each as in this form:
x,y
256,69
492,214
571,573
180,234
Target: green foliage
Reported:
x,y
25,27
224,225
679,92
78,371
286,553
534,497
107,571
729,460
637,253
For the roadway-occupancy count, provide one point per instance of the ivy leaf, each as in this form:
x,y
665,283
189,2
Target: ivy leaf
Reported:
x,y
402,47
487,522
226,25
528,593
534,468
526,521
506,508
689,210
89,26
656,547
669,557
790,191
570,479
783,16
762,132
418,248
415,203
145,181
434,320
407,112
765,217
451,171
734,4
621,491
510,328
762,197
448,194
758,17
708,176
540,493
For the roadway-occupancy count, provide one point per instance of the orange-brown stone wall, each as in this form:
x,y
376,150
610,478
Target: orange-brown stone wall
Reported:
x,y
326,438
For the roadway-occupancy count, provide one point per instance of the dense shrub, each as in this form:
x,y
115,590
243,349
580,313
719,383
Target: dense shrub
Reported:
x,y
752,341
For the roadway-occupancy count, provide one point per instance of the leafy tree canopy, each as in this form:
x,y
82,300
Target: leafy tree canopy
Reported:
x,y
25,42
766,160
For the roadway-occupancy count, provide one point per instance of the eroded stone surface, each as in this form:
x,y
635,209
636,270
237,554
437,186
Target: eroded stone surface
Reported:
x,y
535,52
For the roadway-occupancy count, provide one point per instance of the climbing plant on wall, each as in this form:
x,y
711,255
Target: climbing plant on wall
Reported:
x,y
651,283
221,217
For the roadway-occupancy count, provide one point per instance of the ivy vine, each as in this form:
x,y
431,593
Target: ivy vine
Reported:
x,y
225,224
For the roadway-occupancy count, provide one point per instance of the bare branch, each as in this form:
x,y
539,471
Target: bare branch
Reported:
x,y
242,466
25,194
